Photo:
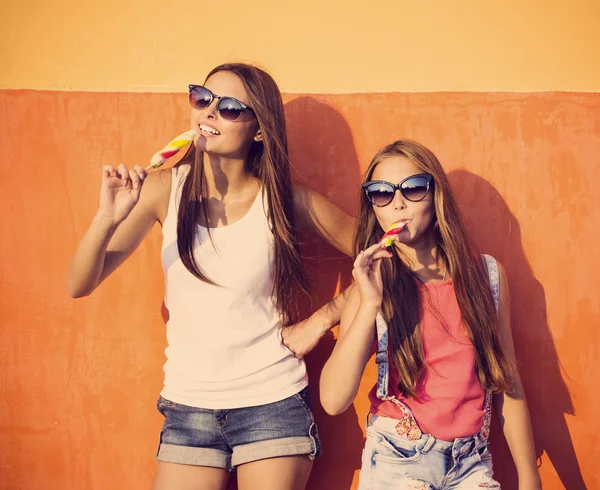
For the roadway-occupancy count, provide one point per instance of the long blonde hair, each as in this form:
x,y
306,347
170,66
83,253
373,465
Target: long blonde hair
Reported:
x,y
401,299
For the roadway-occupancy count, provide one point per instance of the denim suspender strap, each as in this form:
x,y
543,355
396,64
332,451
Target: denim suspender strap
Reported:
x,y
407,424
381,358
494,278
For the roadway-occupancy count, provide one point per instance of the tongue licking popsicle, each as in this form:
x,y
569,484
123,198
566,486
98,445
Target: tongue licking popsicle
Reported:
x,y
173,147
389,237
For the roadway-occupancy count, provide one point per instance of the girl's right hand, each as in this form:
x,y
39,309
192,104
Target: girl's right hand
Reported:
x,y
120,191
367,274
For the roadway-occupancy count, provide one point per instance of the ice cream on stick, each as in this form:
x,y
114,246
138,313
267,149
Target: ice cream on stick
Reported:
x,y
389,237
173,147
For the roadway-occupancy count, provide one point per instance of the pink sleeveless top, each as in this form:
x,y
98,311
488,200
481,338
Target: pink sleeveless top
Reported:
x,y
451,399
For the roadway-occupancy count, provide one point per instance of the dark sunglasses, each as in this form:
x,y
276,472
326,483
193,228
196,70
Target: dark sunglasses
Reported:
x,y
414,188
228,107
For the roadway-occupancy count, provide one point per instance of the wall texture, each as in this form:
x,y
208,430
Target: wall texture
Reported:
x,y
79,378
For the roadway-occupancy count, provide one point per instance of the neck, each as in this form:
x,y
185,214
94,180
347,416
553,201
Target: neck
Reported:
x,y
226,176
424,258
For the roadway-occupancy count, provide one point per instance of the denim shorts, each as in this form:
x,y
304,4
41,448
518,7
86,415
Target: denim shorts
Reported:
x,y
391,461
231,437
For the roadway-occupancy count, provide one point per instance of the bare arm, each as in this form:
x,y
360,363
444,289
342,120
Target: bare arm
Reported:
x,y
343,371
511,408
314,212
304,336
130,204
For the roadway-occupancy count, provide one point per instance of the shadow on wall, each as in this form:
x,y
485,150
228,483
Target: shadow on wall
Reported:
x,y
320,143
496,231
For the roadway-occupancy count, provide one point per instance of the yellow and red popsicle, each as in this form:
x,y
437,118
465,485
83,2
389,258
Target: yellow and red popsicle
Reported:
x,y
389,237
173,147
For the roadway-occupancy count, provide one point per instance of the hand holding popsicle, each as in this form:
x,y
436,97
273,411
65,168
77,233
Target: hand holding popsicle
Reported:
x,y
367,274
367,266
120,191
121,186
160,157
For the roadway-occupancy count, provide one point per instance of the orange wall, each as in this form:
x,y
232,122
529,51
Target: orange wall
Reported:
x,y
79,378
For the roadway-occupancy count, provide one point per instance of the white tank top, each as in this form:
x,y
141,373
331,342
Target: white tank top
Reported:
x,y
224,342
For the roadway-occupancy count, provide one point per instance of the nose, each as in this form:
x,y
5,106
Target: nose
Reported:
x,y
398,202
211,110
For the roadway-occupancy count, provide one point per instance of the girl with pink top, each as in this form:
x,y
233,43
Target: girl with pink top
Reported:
x,y
439,317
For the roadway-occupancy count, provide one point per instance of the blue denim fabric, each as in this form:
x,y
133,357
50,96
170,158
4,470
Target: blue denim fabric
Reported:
x,y
392,462
228,438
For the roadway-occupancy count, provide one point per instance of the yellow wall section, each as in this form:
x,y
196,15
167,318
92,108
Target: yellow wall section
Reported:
x,y
315,46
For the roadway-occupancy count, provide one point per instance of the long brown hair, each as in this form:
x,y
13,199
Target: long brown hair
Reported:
x,y
268,161
401,299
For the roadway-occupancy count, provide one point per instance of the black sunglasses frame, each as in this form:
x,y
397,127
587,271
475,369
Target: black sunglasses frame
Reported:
x,y
220,100
398,187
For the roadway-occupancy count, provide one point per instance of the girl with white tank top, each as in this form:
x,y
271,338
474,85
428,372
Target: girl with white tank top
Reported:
x,y
234,346
235,394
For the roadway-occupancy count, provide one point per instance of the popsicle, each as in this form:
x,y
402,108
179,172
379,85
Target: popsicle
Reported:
x,y
389,237
160,157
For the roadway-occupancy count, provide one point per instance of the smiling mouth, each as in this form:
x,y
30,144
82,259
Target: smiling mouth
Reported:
x,y
208,130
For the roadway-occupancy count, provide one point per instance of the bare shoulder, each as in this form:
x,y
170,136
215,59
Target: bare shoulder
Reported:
x,y
156,192
315,212
504,323
159,181
307,199
301,197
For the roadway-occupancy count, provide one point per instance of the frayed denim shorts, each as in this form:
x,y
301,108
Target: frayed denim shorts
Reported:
x,y
392,462
228,438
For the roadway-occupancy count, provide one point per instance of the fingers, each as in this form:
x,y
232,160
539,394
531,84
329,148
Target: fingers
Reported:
x,y
374,252
123,173
373,248
285,341
358,260
381,254
362,265
141,172
136,175
369,261
107,171
377,268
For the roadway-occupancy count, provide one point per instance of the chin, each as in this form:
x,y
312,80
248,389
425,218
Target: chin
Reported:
x,y
210,148
200,143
